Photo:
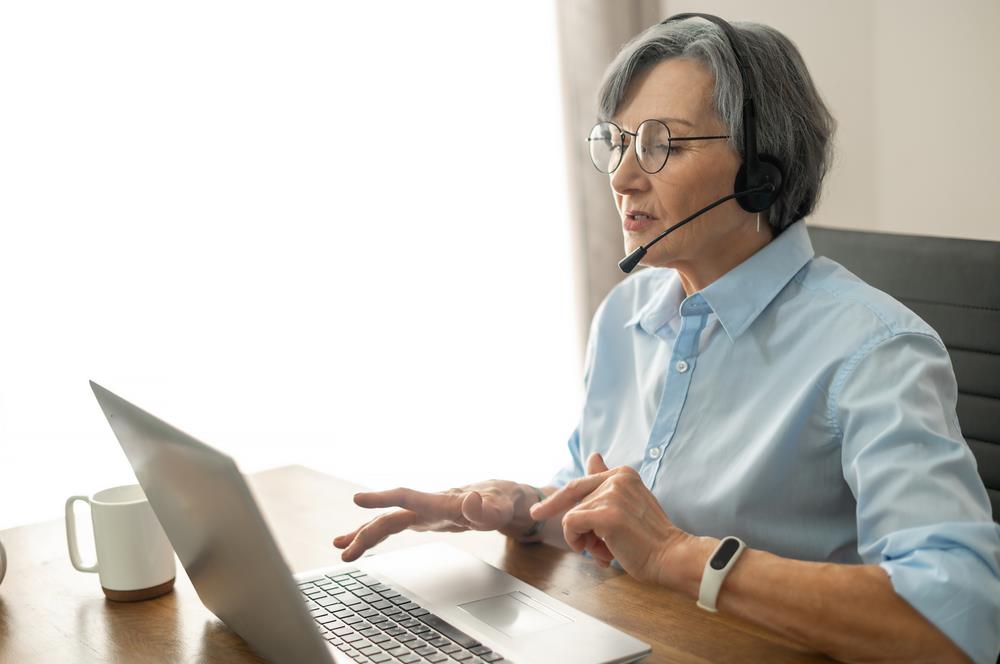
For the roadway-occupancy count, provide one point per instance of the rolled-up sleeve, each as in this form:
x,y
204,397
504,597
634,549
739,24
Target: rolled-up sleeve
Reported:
x,y
923,514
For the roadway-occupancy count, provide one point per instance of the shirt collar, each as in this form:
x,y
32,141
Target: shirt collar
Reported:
x,y
740,295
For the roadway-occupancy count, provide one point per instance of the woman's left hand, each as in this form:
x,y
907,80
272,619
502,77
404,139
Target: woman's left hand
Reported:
x,y
614,516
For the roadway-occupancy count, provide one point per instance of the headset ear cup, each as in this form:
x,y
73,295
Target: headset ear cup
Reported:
x,y
768,172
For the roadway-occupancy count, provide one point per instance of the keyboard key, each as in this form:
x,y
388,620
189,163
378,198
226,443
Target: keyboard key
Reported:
x,y
380,638
378,658
417,612
409,659
368,651
461,655
449,630
410,640
370,632
425,650
353,619
395,631
327,601
436,657
314,579
480,650
439,642
381,604
369,613
409,606
492,657
398,651
388,593
450,648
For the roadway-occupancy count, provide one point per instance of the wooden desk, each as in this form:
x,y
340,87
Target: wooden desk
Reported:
x,y
49,612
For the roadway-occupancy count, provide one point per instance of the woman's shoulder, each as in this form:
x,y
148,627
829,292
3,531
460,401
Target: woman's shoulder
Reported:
x,y
829,285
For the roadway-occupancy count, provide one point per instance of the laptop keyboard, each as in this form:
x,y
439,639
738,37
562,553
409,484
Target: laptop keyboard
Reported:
x,y
370,622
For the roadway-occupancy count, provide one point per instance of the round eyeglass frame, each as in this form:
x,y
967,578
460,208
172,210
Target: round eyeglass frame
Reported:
x,y
635,140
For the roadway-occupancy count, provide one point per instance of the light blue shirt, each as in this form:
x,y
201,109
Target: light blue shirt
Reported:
x,y
794,406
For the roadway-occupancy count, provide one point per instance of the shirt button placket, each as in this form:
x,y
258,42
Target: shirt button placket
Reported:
x,y
675,392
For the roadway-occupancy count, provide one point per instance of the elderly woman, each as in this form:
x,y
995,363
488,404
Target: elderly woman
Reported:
x,y
744,390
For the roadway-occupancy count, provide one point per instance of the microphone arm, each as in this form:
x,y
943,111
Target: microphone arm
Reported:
x,y
628,263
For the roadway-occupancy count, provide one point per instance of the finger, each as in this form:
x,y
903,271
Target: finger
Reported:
x,y
377,530
568,496
340,541
487,512
596,546
599,551
577,523
595,464
433,505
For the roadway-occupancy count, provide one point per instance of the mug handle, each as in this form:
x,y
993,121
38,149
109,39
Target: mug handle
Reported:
x,y
74,551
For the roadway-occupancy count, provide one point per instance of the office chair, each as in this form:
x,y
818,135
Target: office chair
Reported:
x,y
954,285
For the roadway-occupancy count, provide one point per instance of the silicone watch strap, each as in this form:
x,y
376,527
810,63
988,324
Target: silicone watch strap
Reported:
x,y
716,570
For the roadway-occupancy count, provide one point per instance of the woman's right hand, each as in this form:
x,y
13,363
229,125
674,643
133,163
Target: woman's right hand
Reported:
x,y
492,505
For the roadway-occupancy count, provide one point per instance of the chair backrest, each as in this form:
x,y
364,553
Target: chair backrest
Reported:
x,y
954,285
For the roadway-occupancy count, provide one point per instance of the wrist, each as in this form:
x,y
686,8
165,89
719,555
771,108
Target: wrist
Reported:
x,y
685,563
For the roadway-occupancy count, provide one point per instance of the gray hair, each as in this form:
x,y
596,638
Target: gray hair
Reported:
x,y
793,123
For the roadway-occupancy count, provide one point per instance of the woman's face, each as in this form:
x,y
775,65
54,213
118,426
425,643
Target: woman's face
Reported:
x,y
697,173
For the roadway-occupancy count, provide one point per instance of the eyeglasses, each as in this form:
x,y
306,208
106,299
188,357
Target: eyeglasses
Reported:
x,y
652,140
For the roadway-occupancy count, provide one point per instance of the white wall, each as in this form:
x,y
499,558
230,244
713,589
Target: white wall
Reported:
x,y
914,85
196,213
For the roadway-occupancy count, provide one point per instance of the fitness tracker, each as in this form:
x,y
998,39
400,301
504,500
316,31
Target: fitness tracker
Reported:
x,y
716,569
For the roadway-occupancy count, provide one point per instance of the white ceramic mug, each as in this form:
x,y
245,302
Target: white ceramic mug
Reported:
x,y
134,558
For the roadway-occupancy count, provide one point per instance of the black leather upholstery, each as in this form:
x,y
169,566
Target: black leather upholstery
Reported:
x,y
954,285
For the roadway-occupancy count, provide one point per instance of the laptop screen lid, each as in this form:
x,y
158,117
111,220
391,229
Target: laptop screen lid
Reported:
x,y
218,533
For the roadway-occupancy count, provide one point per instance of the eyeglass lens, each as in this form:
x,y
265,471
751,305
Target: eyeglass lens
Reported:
x,y
607,142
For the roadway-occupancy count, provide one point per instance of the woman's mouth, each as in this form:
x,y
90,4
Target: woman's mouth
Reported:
x,y
637,221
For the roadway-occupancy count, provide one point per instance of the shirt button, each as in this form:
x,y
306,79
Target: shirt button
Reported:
x,y
654,453
681,366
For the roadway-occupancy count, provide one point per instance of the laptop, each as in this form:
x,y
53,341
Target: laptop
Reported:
x,y
430,603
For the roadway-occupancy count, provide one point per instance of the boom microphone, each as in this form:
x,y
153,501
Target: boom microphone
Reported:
x,y
628,263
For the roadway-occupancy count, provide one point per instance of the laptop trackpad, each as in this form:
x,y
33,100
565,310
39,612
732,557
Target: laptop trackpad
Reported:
x,y
515,614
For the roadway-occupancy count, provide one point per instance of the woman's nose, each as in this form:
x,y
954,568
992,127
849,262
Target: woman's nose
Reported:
x,y
629,176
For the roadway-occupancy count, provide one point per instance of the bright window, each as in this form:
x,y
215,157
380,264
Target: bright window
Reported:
x,y
322,233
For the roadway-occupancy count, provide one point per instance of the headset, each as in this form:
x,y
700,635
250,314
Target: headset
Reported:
x,y
760,178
